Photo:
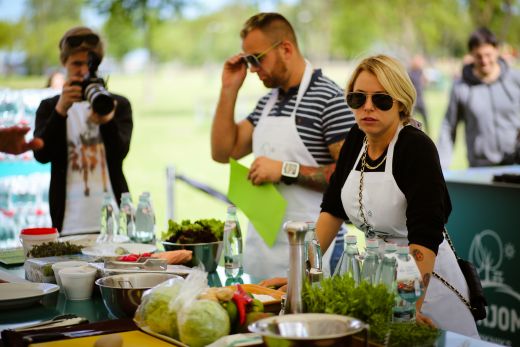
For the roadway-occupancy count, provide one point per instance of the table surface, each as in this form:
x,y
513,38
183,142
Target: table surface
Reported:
x,y
94,309
482,175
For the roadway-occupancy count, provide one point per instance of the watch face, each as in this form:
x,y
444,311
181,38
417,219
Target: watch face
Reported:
x,y
290,169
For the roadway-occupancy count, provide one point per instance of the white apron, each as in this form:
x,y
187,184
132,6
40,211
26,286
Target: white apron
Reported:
x,y
277,138
385,210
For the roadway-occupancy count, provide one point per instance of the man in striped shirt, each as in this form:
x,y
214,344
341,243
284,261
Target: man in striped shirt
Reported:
x,y
295,132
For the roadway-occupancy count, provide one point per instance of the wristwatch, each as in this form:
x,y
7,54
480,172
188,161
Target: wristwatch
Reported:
x,y
290,171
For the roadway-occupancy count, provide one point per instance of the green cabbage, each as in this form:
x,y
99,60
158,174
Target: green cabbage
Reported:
x,y
202,323
156,313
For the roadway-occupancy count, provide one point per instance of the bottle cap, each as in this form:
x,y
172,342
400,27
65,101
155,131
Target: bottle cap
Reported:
x,y
126,196
402,250
390,246
372,243
350,238
232,209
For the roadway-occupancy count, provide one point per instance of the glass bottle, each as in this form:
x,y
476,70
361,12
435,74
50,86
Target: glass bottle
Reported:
x,y
232,244
144,221
349,262
126,216
108,220
390,249
313,254
371,261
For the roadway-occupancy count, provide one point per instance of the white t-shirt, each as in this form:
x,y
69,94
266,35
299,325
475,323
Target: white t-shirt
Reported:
x,y
87,173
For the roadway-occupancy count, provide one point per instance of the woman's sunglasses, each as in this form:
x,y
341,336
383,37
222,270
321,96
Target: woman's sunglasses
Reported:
x,y
382,101
77,40
256,59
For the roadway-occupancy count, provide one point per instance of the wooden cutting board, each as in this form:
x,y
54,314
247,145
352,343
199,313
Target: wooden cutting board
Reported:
x,y
134,338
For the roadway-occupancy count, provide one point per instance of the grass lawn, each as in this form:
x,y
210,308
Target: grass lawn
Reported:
x,y
173,108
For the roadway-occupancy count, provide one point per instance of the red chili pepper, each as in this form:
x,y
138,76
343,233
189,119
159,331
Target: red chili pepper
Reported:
x,y
146,255
241,299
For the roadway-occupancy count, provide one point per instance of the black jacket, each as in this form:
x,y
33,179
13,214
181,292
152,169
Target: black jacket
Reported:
x,y
52,128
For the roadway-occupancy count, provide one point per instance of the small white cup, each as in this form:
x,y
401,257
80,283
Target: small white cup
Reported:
x,y
56,267
78,282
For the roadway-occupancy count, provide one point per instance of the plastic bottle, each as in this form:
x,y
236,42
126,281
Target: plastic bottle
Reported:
x,y
144,221
349,262
126,216
371,262
408,285
108,220
390,250
232,244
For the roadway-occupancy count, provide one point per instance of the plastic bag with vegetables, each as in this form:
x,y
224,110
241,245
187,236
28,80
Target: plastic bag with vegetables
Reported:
x,y
154,310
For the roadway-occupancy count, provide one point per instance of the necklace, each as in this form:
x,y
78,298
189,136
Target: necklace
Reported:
x,y
376,166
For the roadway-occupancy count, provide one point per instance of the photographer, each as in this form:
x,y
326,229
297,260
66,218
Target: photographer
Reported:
x,y
86,131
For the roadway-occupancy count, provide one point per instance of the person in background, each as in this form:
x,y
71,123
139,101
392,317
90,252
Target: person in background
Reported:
x,y
295,132
86,150
12,140
388,182
487,99
419,80
56,80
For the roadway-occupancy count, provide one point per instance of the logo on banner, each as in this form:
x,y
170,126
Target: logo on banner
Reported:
x,y
488,253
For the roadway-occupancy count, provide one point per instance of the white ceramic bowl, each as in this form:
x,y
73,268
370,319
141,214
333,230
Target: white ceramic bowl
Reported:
x,y
56,267
78,282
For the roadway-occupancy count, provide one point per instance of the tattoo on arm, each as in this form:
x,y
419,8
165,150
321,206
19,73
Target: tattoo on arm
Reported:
x,y
316,178
426,279
417,255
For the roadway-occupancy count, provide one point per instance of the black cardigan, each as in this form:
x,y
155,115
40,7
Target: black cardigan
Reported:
x,y
417,172
52,128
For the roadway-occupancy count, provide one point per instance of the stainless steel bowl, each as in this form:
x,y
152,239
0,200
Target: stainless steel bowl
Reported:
x,y
207,254
122,293
308,329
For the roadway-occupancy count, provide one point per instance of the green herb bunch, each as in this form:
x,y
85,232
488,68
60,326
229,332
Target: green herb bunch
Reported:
x,y
200,231
371,304
52,249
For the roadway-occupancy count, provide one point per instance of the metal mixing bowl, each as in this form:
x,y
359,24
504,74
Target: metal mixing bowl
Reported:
x,y
308,329
207,254
122,293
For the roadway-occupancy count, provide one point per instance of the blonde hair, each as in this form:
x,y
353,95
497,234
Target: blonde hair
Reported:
x,y
66,50
393,77
273,25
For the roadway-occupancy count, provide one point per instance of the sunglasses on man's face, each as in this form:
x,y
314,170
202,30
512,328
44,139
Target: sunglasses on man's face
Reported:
x,y
77,40
256,59
382,101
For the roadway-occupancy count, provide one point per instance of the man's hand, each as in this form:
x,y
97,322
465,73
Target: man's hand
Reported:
x,y
70,94
97,119
265,170
234,73
12,140
422,319
274,283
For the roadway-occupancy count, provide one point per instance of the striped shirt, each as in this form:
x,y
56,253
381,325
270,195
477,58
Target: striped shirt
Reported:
x,y
322,118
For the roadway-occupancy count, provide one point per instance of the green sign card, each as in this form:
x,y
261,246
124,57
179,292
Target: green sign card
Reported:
x,y
263,205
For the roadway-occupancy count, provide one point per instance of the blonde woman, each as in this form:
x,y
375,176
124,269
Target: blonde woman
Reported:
x,y
389,183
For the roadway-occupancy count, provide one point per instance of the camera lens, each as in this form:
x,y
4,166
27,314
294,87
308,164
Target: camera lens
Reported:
x,y
102,101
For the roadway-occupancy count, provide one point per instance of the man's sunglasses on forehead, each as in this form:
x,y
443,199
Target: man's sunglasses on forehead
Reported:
x,y
77,40
256,59
382,101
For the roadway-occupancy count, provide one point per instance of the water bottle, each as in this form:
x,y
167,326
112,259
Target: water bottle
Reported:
x,y
388,267
409,286
371,262
390,249
349,262
108,220
126,216
232,244
144,221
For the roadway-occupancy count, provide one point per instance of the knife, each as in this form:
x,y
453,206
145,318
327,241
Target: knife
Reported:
x,y
44,337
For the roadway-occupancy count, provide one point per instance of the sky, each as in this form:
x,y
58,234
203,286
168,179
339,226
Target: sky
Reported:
x,y
12,10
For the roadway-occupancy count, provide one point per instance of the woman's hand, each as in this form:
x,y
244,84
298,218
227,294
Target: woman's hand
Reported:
x,y
424,320
274,283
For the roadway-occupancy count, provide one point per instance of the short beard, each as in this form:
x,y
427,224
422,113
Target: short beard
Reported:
x,y
278,76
